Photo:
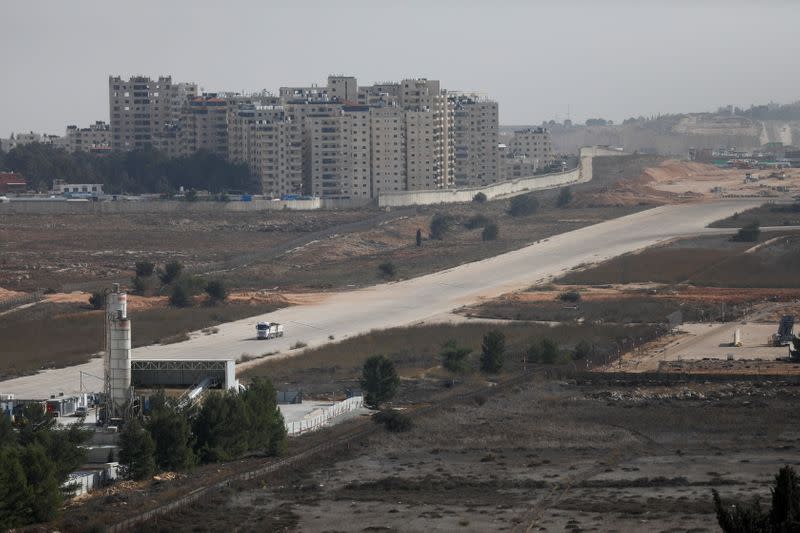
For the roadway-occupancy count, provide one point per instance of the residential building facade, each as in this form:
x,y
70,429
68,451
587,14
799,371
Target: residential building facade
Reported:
x,y
95,139
146,112
475,140
534,144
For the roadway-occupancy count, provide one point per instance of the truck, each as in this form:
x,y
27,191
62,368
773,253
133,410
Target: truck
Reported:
x,y
268,330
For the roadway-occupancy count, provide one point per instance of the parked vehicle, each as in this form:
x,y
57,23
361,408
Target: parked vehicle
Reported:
x,y
268,330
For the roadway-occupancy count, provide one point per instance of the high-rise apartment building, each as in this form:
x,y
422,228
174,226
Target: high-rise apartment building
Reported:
x,y
325,157
429,135
357,147
379,94
203,125
388,141
265,137
96,138
337,140
534,144
343,89
475,140
143,111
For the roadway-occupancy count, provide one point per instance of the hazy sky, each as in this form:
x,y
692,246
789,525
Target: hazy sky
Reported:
x,y
601,58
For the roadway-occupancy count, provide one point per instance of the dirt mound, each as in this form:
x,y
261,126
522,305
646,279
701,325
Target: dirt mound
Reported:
x,y
673,169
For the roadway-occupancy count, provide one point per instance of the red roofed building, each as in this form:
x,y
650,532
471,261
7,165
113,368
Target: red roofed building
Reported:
x,y
11,182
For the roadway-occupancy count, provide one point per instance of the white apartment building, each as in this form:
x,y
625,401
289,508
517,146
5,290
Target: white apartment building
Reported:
x,y
146,112
96,138
475,140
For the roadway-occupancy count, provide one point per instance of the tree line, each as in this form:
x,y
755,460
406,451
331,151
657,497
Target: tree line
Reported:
x,y
225,427
134,172
36,458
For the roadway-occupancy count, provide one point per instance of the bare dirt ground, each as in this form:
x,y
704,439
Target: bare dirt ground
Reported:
x,y
551,456
685,178
660,181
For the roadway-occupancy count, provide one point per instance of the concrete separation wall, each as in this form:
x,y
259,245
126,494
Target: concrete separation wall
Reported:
x,y
61,207
515,187
396,199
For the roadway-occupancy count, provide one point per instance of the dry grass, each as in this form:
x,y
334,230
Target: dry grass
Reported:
x,y
56,335
706,261
625,310
765,215
415,351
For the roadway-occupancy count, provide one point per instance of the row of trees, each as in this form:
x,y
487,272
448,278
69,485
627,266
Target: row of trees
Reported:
x,y
174,280
35,461
135,172
180,286
224,428
380,382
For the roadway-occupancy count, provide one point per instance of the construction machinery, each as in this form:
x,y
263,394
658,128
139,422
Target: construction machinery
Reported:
x,y
785,332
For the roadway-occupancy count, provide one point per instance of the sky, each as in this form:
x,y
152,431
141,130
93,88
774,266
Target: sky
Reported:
x,y
540,60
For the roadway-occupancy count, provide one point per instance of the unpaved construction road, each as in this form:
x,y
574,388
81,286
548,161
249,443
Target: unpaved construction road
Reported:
x,y
345,314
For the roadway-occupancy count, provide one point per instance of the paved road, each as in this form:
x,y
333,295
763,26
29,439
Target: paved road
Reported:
x,y
402,303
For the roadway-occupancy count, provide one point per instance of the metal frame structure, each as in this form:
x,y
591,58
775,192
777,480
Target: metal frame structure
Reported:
x,y
194,368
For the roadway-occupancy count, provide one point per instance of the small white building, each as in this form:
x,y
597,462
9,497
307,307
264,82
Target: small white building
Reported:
x,y
78,189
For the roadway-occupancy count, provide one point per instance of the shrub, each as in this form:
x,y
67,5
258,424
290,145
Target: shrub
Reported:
x,y
749,233
570,296
454,358
493,351
190,195
387,269
476,221
523,205
393,420
379,380
216,291
583,350
490,232
138,286
479,198
171,272
564,197
144,269
97,300
440,224
179,297
545,352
